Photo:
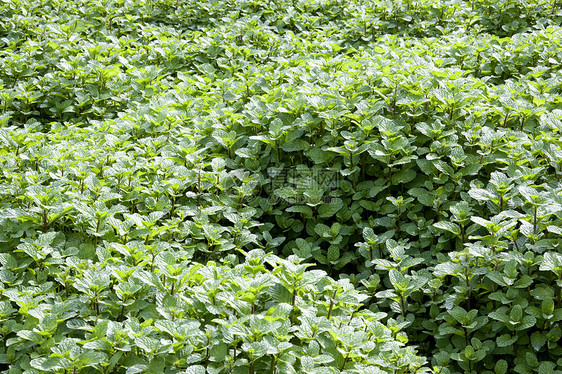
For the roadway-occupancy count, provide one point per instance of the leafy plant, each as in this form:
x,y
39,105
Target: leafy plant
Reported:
x,y
286,186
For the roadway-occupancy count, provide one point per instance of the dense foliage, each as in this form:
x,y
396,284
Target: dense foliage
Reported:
x,y
280,186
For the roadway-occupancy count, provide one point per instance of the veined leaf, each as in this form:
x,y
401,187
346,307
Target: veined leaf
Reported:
x,y
448,226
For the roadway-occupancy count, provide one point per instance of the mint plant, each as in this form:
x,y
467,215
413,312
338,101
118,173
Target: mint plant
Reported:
x,y
288,186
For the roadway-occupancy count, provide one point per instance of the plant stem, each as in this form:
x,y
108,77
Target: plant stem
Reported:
x,y
122,311
332,304
559,296
252,366
535,222
345,361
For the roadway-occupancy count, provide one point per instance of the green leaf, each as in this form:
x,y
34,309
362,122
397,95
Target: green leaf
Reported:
x,y
538,340
46,239
229,96
264,139
551,262
30,335
470,169
329,209
333,254
195,369
481,194
505,340
51,363
304,249
469,352
322,230
218,352
397,279
498,278
526,323
426,166
306,211
500,367
90,358
547,367
547,306
516,313
448,226
138,368
458,313
403,176
448,268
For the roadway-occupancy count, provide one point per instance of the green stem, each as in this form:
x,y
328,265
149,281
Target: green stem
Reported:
x,y
535,222
559,296
344,361
332,304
